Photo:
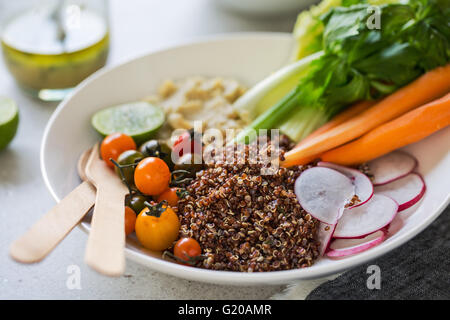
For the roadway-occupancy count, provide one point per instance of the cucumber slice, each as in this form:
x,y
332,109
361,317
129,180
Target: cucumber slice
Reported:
x,y
140,120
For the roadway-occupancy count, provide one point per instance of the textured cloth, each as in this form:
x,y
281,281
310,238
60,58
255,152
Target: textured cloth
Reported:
x,y
420,269
300,289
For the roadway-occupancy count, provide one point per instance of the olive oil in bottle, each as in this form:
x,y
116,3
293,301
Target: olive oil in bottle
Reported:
x,y
48,52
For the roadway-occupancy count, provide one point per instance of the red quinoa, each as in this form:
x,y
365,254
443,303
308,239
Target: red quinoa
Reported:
x,y
245,221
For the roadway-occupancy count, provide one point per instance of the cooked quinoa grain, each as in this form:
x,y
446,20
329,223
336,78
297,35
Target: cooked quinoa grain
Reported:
x,y
245,221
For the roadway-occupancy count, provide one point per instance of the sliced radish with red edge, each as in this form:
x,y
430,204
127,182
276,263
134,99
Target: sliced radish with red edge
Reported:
x,y
363,185
391,167
407,191
358,222
323,193
340,248
324,235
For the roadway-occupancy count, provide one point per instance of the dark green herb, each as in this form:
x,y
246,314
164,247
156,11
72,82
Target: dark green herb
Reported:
x,y
362,63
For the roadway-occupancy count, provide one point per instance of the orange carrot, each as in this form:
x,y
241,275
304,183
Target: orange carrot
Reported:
x,y
429,86
340,118
411,127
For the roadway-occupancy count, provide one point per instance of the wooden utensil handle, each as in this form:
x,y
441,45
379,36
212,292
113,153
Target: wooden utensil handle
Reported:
x,y
46,233
106,243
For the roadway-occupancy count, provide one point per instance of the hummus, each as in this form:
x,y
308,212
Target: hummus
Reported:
x,y
202,99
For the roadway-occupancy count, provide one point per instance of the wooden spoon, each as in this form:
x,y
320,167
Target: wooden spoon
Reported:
x,y
46,233
106,243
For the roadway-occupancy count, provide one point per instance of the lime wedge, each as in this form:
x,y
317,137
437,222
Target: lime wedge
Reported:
x,y
140,120
9,121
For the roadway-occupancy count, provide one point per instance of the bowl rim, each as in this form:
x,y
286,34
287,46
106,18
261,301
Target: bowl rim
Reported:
x,y
231,277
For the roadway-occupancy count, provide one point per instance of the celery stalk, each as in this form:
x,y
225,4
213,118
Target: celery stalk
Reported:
x,y
272,89
271,118
303,122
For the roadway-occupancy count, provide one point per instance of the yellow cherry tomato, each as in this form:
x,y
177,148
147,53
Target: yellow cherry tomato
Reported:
x,y
155,232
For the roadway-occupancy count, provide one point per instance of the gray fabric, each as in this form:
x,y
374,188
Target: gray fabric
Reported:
x,y
420,269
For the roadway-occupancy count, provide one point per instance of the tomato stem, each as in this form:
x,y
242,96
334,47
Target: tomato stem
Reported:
x,y
182,193
182,178
156,210
122,175
190,260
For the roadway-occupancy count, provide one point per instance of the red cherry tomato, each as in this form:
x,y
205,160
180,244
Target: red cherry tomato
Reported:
x,y
113,145
188,142
187,248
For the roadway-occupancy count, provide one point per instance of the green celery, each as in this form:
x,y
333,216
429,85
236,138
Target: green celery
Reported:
x,y
303,122
359,63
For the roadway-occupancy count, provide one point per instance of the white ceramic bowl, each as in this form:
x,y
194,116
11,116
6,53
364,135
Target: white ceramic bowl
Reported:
x,y
248,58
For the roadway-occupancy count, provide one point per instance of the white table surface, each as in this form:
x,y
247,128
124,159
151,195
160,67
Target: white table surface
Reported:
x,y
137,27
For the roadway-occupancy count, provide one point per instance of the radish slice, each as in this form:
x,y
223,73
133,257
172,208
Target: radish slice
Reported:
x,y
344,247
358,222
391,167
323,193
324,235
363,185
406,191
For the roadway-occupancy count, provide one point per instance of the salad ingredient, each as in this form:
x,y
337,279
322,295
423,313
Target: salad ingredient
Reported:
x,y
187,163
114,145
297,129
340,118
272,89
198,99
9,121
308,32
172,195
273,118
157,227
340,248
126,159
376,214
309,27
157,148
140,120
391,167
324,193
361,63
429,86
187,248
152,176
363,185
407,191
324,236
136,202
411,127
130,220
187,142
249,222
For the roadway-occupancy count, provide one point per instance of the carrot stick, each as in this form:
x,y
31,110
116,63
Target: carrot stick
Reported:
x,y
411,127
429,86
340,118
